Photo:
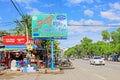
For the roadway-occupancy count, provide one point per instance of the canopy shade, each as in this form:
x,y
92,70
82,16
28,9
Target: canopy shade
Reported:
x,y
10,49
15,47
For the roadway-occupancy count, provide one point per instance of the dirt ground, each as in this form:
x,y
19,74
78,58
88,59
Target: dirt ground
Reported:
x,y
7,74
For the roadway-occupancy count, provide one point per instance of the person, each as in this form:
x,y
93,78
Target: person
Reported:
x,y
68,62
49,59
28,56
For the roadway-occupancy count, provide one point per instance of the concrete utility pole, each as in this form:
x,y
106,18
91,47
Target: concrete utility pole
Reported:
x,y
26,26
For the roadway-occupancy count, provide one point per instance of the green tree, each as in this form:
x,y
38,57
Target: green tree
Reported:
x,y
115,36
70,52
21,25
103,48
86,46
105,35
47,44
4,32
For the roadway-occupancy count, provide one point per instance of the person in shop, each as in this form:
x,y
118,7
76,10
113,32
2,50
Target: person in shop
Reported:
x,y
49,59
28,56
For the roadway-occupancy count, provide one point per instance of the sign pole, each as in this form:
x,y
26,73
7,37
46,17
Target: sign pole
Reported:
x,y
52,55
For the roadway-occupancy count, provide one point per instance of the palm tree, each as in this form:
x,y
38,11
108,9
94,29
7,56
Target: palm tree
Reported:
x,y
22,25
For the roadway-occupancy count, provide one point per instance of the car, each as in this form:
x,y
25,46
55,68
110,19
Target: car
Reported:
x,y
119,58
97,60
113,58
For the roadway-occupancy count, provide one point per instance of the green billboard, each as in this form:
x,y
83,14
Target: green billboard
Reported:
x,y
49,26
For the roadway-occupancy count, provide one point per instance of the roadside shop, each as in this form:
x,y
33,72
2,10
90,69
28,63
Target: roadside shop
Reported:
x,y
21,57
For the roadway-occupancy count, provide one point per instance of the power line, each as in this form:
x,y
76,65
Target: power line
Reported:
x,y
95,25
19,7
16,8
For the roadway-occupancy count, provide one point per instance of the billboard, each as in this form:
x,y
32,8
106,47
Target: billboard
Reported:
x,y
14,40
49,26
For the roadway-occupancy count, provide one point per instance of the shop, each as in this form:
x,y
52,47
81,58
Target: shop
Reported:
x,y
24,60
21,57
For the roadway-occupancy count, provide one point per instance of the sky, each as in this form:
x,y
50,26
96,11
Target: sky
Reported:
x,y
79,12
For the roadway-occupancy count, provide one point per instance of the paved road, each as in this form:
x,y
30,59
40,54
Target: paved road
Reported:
x,y
83,71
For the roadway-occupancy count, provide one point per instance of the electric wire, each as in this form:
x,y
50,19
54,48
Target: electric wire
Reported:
x,y
19,7
16,8
115,25
21,13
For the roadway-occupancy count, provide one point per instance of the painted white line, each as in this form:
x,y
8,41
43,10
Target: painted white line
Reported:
x,y
101,77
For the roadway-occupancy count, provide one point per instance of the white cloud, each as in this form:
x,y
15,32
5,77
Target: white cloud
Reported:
x,y
85,22
113,13
81,29
89,13
33,10
110,14
69,42
30,9
26,1
77,33
79,1
115,5
75,1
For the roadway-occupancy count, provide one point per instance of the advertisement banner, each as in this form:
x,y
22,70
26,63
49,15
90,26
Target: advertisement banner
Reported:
x,y
14,40
49,26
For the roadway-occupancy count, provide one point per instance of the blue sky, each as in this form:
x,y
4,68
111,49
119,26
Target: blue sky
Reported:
x,y
79,12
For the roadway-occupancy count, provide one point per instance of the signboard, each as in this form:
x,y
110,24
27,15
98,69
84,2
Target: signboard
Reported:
x,y
49,26
14,40
29,47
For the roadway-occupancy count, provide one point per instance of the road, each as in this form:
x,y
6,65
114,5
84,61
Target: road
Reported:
x,y
83,71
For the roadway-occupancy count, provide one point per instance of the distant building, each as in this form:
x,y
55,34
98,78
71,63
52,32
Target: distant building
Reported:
x,y
63,50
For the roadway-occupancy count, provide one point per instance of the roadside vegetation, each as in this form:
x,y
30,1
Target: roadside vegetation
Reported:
x,y
110,44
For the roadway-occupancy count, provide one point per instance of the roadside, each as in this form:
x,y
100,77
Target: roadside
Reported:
x,y
8,74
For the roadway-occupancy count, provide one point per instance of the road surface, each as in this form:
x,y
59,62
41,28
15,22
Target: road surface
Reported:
x,y
83,71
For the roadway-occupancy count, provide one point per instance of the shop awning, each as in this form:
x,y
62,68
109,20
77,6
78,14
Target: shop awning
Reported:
x,y
15,47
10,49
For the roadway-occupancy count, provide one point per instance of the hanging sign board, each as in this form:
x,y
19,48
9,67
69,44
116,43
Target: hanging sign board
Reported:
x,y
49,26
14,40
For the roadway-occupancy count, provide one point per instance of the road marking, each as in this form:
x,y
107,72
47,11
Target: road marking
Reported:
x,y
101,77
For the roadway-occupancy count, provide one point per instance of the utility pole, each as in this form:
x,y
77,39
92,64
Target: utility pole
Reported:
x,y
26,26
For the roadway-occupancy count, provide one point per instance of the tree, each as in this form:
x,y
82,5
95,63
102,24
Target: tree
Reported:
x,y
70,52
4,32
47,44
105,35
115,36
21,25
86,46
